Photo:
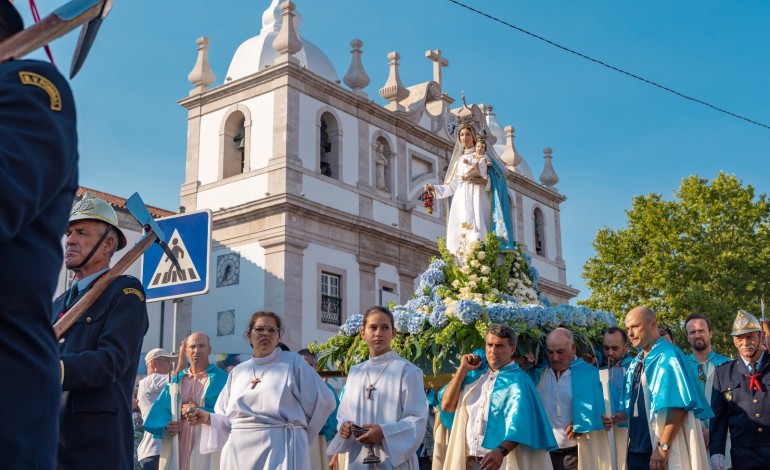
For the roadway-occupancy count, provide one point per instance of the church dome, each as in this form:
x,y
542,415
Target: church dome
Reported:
x,y
257,53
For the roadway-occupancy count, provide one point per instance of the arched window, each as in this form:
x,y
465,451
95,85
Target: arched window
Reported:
x,y
539,232
233,141
329,146
382,160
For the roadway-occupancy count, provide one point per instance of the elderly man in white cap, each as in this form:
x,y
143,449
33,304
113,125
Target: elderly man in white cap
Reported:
x,y
159,365
741,402
100,352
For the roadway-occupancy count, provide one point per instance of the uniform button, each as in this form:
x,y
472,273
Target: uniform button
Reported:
x,y
757,415
88,319
756,401
760,429
61,341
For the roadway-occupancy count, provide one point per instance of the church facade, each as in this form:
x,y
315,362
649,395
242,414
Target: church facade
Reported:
x,y
315,189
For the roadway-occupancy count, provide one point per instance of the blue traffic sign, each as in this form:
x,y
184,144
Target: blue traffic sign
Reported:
x,y
189,238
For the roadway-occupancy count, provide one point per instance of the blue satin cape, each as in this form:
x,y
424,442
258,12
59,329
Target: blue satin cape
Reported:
x,y
516,413
160,413
329,428
672,381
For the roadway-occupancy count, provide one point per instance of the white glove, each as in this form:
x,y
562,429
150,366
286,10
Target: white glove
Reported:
x,y
717,462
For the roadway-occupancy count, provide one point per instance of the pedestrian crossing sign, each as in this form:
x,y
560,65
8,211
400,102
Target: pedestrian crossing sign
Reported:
x,y
189,238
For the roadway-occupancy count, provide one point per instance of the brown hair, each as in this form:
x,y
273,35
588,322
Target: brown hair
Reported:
x,y
503,331
379,309
697,316
261,314
467,126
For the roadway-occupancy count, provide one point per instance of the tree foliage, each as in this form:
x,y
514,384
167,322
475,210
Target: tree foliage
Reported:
x,y
706,251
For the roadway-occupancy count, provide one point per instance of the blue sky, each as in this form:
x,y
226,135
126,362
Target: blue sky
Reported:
x,y
613,137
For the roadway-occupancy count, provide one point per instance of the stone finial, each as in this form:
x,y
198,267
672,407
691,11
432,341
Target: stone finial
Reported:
x,y
511,157
439,62
201,75
287,42
548,177
394,90
356,77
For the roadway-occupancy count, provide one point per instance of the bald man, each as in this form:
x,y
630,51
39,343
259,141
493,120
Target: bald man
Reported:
x,y
573,400
663,401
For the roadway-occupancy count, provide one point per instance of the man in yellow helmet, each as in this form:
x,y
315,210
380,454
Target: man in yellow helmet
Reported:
x,y
100,353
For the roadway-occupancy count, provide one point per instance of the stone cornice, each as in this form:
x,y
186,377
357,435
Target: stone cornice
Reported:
x,y
553,286
527,187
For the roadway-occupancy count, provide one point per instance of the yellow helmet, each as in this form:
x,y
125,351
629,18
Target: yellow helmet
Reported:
x,y
94,208
745,323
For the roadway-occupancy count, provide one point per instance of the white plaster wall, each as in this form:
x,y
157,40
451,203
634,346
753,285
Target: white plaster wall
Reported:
x,y
208,156
311,291
234,193
385,213
387,273
329,194
546,270
428,229
262,122
245,298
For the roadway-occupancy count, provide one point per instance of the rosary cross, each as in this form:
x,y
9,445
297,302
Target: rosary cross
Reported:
x,y
255,382
369,391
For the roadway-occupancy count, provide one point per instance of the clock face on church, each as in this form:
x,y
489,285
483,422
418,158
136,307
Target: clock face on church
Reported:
x,y
228,269
451,126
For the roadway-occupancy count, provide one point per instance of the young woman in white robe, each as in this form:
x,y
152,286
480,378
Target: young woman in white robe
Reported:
x,y
272,407
384,394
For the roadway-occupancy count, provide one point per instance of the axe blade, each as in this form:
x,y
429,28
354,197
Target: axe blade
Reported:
x,y
138,209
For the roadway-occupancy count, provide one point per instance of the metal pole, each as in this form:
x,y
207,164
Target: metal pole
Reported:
x,y
162,319
175,339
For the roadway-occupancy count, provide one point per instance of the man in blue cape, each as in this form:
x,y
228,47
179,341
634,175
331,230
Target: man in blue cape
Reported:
x,y
494,412
663,401
613,375
572,396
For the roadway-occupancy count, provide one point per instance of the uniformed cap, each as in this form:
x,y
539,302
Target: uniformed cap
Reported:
x,y
156,353
745,323
94,208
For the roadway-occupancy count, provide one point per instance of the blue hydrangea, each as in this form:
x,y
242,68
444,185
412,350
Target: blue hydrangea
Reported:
x,y
533,313
401,318
432,277
417,302
499,313
467,311
438,318
606,318
352,325
544,300
534,275
437,263
564,315
588,315
415,323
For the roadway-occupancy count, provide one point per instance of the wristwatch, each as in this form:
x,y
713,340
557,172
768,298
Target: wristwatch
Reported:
x,y
503,450
663,446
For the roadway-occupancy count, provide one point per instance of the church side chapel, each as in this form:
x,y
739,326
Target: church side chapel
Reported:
x,y
317,194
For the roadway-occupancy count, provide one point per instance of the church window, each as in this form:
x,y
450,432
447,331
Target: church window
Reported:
x,y
329,146
539,232
233,143
331,298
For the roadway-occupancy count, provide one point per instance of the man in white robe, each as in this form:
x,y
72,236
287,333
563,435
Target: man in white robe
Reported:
x,y
269,411
396,402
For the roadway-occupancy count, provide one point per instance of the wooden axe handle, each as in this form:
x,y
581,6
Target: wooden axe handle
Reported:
x,y
40,34
101,284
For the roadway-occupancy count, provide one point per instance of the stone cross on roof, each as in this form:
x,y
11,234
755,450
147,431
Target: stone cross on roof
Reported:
x,y
439,62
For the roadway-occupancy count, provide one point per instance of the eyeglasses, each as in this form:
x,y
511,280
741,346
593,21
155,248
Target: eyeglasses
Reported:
x,y
265,330
701,373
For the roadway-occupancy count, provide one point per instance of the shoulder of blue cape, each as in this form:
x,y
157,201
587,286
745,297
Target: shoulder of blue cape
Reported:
x,y
718,359
587,397
672,381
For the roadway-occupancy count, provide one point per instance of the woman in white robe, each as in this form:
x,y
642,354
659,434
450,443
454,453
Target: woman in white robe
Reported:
x,y
386,395
272,407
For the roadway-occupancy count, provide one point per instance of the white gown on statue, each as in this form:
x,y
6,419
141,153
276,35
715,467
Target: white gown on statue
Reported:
x,y
271,425
398,404
471,206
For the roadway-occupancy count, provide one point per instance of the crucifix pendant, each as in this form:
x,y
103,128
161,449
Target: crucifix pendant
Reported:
x,y
369,391
255,382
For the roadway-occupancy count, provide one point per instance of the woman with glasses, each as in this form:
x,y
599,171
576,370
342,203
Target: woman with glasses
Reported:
x,y
272,407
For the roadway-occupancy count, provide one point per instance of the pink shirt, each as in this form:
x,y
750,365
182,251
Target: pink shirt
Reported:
x,y
193,389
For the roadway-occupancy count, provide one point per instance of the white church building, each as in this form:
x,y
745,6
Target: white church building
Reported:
x,y
315,188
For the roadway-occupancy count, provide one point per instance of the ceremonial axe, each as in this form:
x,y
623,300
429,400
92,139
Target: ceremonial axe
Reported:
x,y
152,234
63,20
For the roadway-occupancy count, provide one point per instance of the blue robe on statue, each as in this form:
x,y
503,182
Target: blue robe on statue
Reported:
x,y
501,208
516,413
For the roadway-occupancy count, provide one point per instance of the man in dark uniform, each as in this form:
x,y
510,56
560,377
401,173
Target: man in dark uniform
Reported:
x,y
100,353
741,402
38,179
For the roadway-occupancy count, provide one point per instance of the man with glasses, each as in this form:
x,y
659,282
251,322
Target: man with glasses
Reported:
x,y
741,402
705,360
199,386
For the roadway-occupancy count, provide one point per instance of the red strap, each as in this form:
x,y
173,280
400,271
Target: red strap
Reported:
x,y
36,17
753,382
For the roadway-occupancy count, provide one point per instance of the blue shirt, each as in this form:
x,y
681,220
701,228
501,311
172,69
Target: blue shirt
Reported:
x,y
638,427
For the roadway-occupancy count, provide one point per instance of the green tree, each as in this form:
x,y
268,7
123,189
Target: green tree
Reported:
x,y
707,251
